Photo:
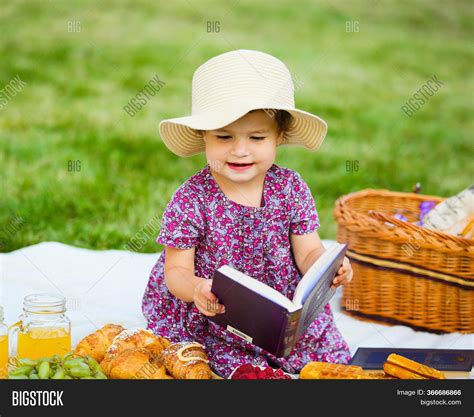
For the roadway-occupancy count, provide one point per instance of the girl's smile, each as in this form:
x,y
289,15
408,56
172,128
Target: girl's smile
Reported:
x,y
240,166
243,151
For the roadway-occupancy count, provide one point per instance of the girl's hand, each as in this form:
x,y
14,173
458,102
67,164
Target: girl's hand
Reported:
x,y
344,275
205,301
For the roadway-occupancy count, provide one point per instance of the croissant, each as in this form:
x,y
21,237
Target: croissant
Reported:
x,y
97,343
186,360
135,363
143,338
140,340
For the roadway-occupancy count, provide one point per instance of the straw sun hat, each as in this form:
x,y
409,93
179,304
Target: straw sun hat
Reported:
x,y
227,87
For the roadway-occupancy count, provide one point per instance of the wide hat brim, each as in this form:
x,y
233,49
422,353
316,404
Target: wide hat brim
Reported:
x,y
181,137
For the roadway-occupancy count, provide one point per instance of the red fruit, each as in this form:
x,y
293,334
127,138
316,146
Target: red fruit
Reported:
x,y
280,374
241,371
262,374
246,368
268,371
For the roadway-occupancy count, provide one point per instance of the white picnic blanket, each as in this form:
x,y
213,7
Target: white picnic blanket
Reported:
x,y
107,287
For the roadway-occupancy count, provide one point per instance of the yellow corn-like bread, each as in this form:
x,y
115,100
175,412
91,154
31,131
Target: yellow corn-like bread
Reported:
x,y
400,373
324,370
404,368
376,375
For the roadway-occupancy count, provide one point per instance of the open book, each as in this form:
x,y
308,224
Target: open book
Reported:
x,y
265,317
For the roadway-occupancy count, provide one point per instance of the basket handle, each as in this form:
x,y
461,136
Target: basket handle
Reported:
x,y
416,188
432,235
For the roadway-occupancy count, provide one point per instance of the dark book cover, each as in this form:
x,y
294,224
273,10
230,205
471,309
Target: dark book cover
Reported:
x,y
253,317
441,359
275,323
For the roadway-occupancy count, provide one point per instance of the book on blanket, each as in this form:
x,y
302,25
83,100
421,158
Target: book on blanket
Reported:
x,y
455,363
263,316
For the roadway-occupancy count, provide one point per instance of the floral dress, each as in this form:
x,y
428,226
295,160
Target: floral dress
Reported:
x,y
254,240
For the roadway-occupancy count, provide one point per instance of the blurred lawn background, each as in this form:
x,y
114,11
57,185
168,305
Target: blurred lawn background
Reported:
x,y
79,81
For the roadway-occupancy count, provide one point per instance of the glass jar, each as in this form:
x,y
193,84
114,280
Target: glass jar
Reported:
x,y
43,329
3,346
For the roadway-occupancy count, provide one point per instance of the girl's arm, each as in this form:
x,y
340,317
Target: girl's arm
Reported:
x,y
179,273
308,248
185,285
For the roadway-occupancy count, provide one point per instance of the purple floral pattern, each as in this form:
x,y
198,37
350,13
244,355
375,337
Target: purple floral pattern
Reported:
x,y
254,240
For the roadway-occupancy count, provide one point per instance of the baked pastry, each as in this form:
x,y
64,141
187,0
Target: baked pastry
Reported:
x,y
376,375
97,343
186,360
147,347
404,368
137,363
138,338
324,370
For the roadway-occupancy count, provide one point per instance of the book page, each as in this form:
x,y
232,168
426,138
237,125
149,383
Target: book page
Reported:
x,y
314,304
317,270
314,290
258,287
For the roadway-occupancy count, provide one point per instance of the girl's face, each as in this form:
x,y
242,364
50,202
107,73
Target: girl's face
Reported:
x,y
245,149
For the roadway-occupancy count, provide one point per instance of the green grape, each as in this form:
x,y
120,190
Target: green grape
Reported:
x,y
27,362
55,358
44,370
59,374
81,365
22,370
80,372
94,365
20,376
72,363
71,366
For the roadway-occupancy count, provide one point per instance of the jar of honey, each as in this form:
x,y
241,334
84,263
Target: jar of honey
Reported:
x,y
43,329
3,347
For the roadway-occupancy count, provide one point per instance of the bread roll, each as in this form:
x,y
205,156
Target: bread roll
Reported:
x,y
97,343
186,360
404,368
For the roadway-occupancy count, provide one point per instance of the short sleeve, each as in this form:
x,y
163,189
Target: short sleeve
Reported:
x,y
182,224
304,217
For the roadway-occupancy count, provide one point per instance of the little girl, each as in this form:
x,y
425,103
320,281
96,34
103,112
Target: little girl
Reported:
x,y
241,210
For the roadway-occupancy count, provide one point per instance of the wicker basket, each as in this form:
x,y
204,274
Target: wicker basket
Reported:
x,y
403,273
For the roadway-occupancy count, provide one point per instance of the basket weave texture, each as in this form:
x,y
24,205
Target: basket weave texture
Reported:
x,y
404,273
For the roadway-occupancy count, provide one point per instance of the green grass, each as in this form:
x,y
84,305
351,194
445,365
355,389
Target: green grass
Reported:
x,y
77,84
